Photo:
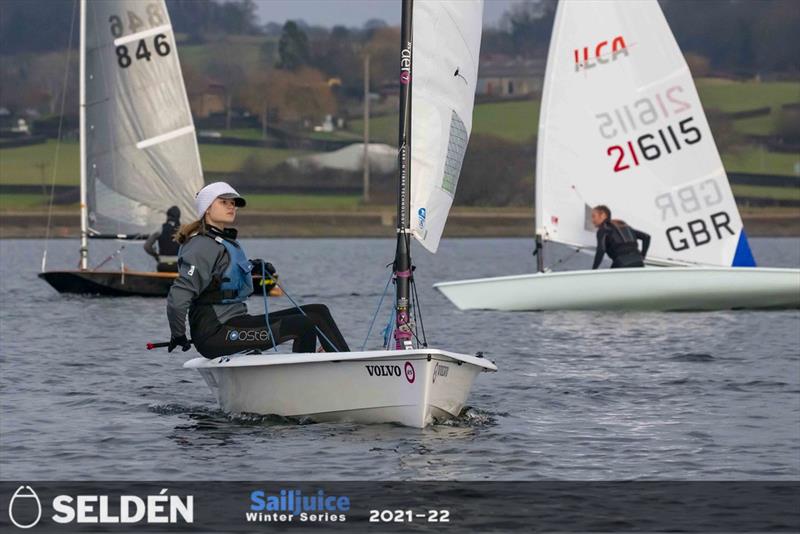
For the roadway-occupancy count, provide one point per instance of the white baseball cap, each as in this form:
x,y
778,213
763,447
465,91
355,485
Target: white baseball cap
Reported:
x,y
211,192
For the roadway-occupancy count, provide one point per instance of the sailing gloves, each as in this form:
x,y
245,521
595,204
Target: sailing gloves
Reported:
x,y
257,263
179,341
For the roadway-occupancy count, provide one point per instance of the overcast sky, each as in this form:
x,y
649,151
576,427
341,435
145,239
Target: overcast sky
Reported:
x,y
353,13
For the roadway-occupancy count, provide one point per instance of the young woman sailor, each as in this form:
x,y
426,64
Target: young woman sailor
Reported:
x,y
214,282
618,240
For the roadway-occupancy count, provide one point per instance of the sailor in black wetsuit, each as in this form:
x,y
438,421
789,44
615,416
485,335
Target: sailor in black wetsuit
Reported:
x,y
618,240
167,254
214,281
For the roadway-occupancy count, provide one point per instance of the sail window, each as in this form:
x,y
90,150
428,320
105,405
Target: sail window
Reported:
x,y
456,148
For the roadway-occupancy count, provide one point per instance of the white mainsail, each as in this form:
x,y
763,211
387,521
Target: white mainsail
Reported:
x,y
141,150
446,48
621,124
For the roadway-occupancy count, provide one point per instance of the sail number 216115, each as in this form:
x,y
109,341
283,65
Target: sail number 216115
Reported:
x,y
669,106
651,147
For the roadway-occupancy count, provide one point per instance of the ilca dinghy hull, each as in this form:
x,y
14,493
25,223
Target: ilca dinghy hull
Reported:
x,y
410,387
650,288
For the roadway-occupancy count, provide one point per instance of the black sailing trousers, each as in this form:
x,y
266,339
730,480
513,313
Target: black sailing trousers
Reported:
x,y
627,260
249,332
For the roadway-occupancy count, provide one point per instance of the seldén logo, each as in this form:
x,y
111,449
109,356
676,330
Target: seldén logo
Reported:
x,y
25,509
405,64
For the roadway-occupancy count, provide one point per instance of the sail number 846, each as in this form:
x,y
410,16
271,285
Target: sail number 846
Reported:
x,y
154,19
160,45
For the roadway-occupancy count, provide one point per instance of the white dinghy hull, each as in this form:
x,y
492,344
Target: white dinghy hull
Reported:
x,y
412,388
644,289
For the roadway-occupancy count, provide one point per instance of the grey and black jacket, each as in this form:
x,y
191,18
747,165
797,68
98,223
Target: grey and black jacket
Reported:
x,y
201,264
619,241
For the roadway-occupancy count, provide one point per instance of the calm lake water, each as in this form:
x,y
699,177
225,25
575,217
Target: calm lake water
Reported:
x,y
577,396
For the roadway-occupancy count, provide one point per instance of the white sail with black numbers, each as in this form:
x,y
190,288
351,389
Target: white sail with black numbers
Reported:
x,y
141,150
621,124
446,49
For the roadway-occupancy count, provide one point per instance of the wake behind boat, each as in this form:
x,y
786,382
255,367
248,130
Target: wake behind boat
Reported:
x,y
621,124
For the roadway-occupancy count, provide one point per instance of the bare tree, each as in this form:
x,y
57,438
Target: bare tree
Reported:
x,y
300,94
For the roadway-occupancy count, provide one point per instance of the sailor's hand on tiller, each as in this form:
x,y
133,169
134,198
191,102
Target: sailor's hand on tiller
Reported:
x,y
179,341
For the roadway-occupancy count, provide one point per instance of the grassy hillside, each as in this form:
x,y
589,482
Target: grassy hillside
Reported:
x,y
21,165
728,95
256,202
220,158
21,202
773,193
764,125
755,160
303,202
381,129
247,49
513,121
518,121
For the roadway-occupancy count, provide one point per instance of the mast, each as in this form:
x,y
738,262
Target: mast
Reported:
x,y
402,259
538,194
366,129
84,250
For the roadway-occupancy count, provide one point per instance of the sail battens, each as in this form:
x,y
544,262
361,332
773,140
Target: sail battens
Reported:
x,y
165,137
142,34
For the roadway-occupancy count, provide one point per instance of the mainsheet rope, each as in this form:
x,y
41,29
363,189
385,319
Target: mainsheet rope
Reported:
x,y
377,311
567,258
266,306
296,305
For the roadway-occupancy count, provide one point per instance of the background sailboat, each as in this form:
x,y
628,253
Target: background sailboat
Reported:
x,y
138,151
412,384
621,124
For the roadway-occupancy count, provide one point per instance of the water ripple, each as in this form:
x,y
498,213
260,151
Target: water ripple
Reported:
x,y
579,395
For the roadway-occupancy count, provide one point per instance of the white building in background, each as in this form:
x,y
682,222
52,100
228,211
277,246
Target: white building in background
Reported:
x,y
382,159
